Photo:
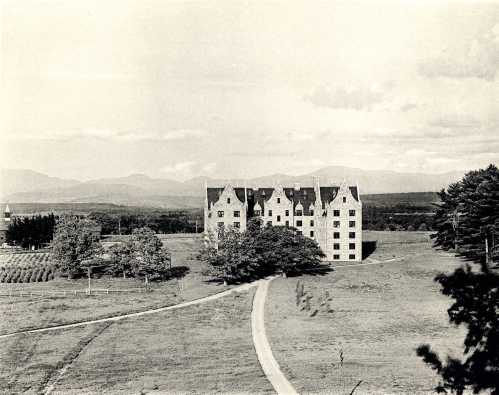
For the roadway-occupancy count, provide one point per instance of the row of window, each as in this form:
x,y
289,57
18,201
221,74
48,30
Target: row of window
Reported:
x,y
336,213
337,257
351,246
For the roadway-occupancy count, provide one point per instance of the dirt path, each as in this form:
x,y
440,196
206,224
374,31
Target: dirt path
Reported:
x,y
262,347
219,295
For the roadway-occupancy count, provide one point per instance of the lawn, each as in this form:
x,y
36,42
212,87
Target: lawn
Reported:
x,y
205,348
19,313
28,363
380,314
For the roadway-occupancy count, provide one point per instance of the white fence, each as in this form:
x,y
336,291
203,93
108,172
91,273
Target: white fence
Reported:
x,y
63,293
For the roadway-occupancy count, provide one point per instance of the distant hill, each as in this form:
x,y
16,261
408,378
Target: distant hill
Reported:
x,y
26,186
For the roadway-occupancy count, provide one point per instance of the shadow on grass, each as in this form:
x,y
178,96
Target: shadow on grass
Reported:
x,y
320,270
178,271
368,247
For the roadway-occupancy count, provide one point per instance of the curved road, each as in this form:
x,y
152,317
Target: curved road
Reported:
x,y
263,351
219,295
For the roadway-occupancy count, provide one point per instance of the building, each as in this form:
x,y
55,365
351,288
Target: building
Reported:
x,y
331,215
4,225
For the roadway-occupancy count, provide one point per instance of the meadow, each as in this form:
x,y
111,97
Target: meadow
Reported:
x,y
363,324
368,323
25,312
200,349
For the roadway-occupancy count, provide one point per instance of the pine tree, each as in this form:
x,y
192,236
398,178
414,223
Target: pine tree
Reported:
x,y
467,220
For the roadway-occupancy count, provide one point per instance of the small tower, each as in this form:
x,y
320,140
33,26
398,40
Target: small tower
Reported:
x,y
6,214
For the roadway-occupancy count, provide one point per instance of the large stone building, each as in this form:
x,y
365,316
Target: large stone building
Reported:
x,y
331,215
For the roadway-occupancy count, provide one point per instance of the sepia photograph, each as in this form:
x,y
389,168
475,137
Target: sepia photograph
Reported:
x,y
249,197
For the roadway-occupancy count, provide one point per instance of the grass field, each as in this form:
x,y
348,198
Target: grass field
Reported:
x,y
199,349
381,313
19,313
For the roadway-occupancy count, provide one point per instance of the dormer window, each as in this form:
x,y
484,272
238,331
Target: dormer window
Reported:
x,y
278,200
228,200
299,213
257,212
344,199
312,212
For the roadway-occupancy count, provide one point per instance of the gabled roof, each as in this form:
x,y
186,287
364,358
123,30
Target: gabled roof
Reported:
x,y
305,195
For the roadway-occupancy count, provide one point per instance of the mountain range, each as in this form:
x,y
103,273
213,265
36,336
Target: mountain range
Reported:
x,y
27,186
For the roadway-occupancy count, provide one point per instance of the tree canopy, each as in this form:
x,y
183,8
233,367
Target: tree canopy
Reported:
x,y
467,220
260,251
74,243
36,231
142,255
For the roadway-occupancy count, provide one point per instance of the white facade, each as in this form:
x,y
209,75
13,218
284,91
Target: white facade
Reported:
x,y
330,215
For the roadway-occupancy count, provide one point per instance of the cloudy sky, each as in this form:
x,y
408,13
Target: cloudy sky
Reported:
x,y
231,89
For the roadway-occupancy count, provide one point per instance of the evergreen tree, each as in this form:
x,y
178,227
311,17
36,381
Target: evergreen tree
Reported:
x,y
468,220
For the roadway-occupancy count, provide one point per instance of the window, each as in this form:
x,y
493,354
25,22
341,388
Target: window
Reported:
x,y
228,200
311,222
336,235
299,213
351,246
311,233
237,213
220,224
209,215
352,213
351,235
298,223
278,200
287,213
311,212
237,224
344,199
220,214
336,257
336,246
270,213
336,213
278,218
287,223
352,224
257,212
351,256
336,224
299,232
269,223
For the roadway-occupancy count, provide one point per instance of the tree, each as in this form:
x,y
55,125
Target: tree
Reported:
x,y
74,242
283,249
121,256
467,220
35,231
149,258
261,251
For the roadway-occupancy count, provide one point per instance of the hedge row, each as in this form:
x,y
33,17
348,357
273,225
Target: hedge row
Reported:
x,y
27,275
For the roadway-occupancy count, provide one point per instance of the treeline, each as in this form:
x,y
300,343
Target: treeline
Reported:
x,y
178,221
399,217
31,232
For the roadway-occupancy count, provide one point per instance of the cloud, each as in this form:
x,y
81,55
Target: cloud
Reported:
x,y
346,98
180,167
479,59
188,169
454,121
107,134
408,107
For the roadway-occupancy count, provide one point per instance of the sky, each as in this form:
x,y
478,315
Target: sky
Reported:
x,y
230,89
